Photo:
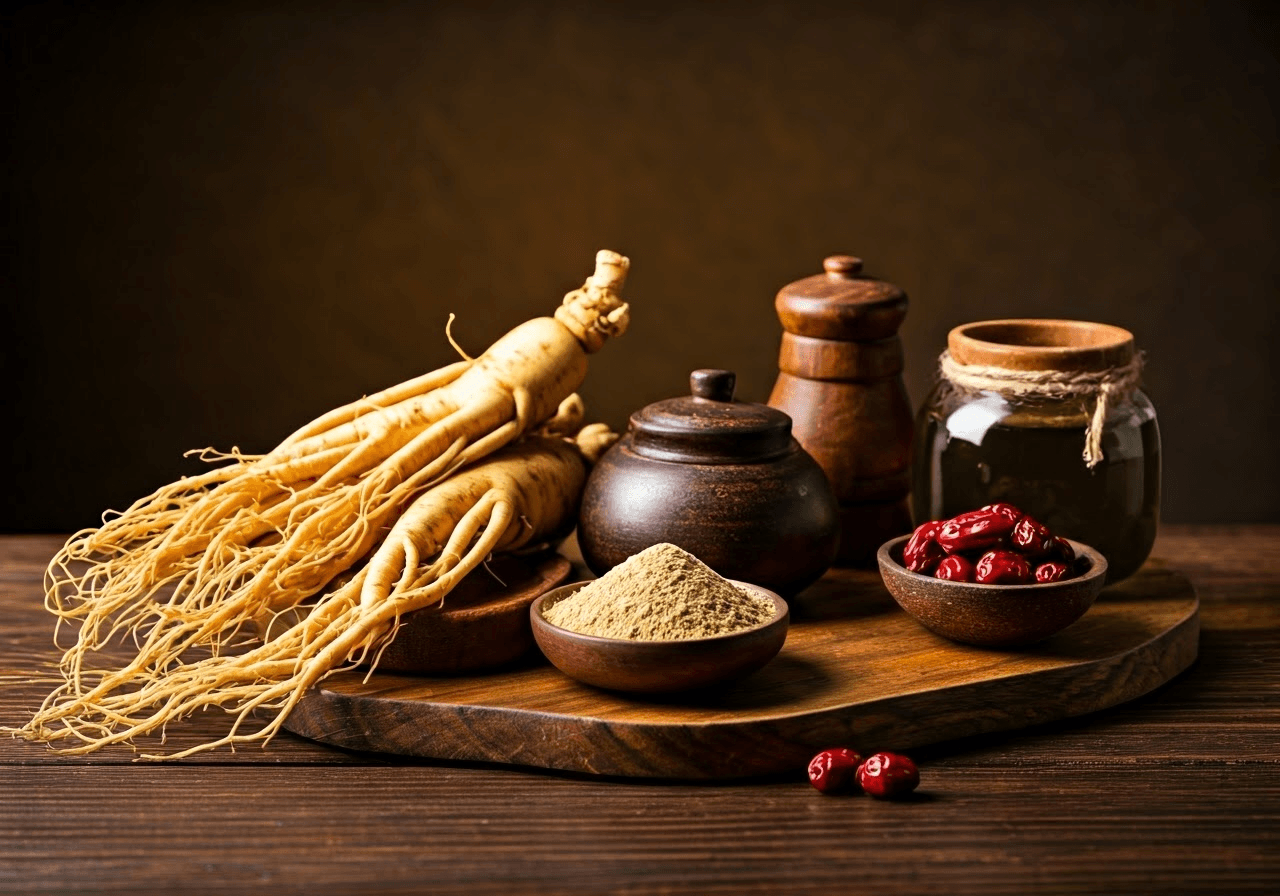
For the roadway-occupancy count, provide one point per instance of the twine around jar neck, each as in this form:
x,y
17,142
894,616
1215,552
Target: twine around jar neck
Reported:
x,y
1103,387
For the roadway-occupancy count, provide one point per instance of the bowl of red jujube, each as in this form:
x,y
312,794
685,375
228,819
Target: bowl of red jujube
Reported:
x,y
994,577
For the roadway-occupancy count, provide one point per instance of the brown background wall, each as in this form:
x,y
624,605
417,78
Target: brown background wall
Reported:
x,y
222,222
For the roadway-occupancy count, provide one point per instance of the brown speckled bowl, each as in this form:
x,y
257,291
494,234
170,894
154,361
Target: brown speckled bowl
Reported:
x,y
658,666
993,615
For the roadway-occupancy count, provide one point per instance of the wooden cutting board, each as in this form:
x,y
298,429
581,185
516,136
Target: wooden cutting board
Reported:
x,y
855,671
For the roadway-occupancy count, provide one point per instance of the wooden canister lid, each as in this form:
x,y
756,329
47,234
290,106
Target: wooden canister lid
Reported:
x,y
841,303
1041,344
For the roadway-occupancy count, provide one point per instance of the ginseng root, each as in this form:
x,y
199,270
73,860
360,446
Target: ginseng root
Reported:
x,y
190,563
525,493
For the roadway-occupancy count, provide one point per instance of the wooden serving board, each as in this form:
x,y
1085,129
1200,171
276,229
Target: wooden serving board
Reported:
x,y
855,671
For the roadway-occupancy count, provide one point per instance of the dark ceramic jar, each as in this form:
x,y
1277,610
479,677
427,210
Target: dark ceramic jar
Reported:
x,y
724,480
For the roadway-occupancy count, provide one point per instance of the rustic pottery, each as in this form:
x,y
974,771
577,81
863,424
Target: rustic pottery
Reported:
x,y
720,478
993,615
840,380
658,666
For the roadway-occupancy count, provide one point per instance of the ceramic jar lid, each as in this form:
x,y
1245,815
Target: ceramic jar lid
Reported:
x,y
709,426
841,303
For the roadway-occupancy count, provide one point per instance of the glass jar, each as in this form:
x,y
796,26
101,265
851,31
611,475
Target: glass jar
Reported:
x,y
1045,415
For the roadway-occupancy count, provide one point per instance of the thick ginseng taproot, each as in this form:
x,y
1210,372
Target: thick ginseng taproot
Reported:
x,y
268,531
191,565
525,493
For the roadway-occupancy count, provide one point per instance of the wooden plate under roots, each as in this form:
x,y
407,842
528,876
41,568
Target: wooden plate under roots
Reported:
x,y
483,624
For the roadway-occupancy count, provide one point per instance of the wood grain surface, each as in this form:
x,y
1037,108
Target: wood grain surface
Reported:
x,y
1174,792
858,672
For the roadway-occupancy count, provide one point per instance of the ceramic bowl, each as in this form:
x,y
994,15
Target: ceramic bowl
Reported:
x,y
993,615
658,666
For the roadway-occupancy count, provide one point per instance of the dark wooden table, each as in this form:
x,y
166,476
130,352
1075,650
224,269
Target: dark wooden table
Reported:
x,y
1178,791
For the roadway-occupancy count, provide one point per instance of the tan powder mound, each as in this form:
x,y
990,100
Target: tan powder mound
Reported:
x,y
663,593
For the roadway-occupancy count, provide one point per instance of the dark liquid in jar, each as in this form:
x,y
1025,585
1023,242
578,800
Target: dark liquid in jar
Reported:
x,y
1114,507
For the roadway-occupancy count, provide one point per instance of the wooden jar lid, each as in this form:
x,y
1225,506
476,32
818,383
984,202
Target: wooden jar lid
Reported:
x,y
842,303
1035,344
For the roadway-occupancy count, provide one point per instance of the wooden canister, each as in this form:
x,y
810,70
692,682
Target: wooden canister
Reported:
x,y
840,381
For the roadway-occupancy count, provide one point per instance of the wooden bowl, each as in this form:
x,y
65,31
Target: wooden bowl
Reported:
x,y
993,615
483,624
658,666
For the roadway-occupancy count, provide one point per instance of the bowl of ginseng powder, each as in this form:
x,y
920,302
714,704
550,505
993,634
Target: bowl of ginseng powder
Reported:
x,y
663,628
